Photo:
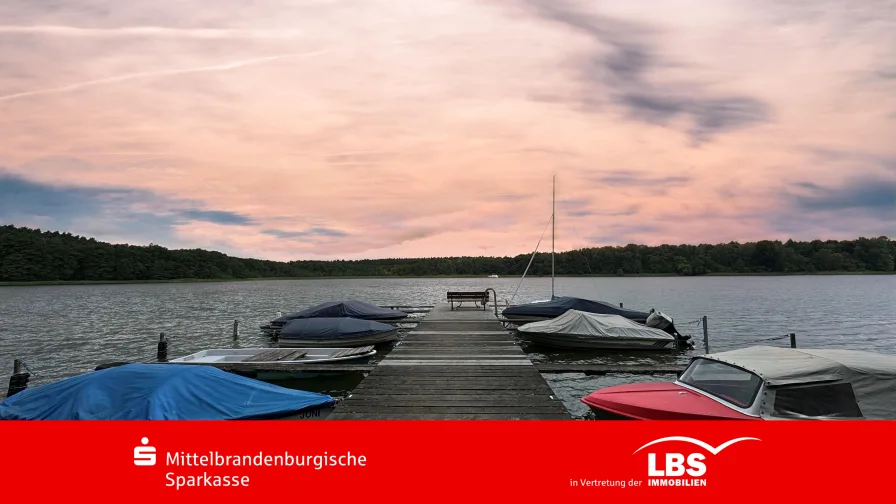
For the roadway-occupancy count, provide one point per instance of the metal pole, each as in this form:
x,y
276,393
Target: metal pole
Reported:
x,y
553,230
705,335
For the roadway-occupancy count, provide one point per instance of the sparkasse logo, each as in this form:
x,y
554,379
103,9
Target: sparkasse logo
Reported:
x,y
144,455
679,469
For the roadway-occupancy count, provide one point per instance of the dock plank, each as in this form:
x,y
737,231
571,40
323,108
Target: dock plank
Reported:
x,y
454,365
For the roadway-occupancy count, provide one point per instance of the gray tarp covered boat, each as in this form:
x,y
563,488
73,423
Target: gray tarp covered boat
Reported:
x,y
335,332
578,329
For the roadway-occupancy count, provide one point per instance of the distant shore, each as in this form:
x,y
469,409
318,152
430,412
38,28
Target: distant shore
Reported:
x,y
394,277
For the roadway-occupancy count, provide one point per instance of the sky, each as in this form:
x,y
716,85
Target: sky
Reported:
x,y
325,129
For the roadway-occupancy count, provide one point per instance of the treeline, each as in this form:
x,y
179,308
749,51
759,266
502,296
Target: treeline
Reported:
x,y
28,255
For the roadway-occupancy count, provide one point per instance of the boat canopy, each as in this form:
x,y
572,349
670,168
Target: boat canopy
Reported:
x,y
332,328
586,324
871,375
560,305
351,308
158,392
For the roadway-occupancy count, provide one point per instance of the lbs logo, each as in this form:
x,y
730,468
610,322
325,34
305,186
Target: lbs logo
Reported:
x,y
675,465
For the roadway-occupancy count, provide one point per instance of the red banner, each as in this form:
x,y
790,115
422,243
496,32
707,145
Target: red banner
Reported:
x,y
420,462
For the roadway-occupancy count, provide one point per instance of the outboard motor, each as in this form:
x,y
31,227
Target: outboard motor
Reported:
x,y
663,322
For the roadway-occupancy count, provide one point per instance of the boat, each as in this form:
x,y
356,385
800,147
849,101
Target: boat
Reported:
x,y
341,332
331,309
579,329
557,306
138,391
493,276
762,383
262,358
553,308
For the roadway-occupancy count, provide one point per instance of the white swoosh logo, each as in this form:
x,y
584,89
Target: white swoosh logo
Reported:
x,y
707,447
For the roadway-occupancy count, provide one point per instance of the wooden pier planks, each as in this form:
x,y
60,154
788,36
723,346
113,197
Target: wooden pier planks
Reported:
x,y
456,364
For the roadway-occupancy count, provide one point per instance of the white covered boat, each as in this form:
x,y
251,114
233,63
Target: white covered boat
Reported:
x,y
579,329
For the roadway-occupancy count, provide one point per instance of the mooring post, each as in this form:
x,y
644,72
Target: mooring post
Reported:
x,y
19,380
792,340
162,352
705,335
236,329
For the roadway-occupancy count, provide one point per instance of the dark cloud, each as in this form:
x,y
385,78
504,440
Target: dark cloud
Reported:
x,y
509,197
625,71
639,179
854,159
872,195
217,217
307,233
575,207
105,210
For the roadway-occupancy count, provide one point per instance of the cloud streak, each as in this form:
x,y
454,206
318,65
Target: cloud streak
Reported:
x,y
233,65
151,31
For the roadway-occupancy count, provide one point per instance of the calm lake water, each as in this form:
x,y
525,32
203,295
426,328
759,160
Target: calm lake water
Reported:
x,y
61,331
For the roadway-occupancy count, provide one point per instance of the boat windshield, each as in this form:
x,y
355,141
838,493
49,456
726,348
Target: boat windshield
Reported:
x,y
729,383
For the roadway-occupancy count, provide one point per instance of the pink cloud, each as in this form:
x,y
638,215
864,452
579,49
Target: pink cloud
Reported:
x,y
435,130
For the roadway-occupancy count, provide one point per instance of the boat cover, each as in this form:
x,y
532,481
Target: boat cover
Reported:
x,y
597,325
332,328
158,392
872,375
351,308
560,305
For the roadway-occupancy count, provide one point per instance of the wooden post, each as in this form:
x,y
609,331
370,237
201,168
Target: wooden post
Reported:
x,y
19,380
792,340
162,352
705,335
236,329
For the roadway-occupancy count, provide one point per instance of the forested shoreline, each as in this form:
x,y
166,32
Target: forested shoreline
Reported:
x,y
34,255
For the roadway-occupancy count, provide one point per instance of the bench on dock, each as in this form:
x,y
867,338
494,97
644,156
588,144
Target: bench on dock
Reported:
x,y
476,297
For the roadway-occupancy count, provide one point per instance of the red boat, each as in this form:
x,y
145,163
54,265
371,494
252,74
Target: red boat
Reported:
x,y
762,383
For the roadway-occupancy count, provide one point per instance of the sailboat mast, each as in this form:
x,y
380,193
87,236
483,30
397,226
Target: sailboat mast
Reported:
x,y
553,229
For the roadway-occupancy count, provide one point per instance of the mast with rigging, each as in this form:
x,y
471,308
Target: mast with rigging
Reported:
x,y
553,229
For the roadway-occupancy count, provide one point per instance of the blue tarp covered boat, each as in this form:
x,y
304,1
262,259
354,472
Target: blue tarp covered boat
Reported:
x,y
335,332
351,308
532,312
162,392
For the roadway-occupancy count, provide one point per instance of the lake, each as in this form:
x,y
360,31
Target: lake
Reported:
x,y
60,331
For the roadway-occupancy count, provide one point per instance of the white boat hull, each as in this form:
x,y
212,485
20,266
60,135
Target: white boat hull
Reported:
x,y
258,357
560,340
374,339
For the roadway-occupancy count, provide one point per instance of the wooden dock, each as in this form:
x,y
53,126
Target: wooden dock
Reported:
x,y
456,364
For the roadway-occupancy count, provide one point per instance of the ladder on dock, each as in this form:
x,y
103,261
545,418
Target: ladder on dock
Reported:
x,y
456,364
